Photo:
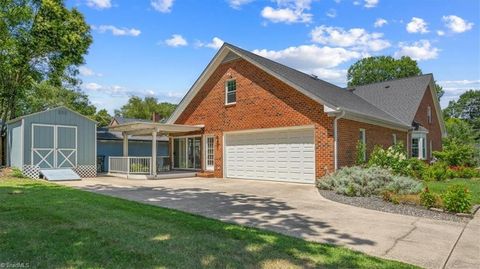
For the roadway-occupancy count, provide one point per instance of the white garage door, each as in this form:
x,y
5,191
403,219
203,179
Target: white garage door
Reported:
x,y
286,155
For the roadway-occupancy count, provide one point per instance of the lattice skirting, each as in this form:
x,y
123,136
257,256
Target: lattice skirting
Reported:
x,y
86,171
31,171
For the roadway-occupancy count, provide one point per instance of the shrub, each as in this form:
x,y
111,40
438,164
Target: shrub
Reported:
x,y
428,199
360,153
456,153
17,173
416,168
435,172
358,181
463,172
457,198
394,158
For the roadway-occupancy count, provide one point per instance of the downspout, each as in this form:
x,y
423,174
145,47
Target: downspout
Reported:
x,y
335,137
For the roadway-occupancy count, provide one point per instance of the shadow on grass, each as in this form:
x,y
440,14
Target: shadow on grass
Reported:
x,y
54,226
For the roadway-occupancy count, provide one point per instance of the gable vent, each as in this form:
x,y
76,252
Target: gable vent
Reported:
x,y
388,86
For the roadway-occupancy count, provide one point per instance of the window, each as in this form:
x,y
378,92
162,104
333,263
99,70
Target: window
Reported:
x,y
419,145
231,92
363,139
429,114
394,139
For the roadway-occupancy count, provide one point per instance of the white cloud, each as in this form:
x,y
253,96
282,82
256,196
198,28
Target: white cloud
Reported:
x,y
454,88
420,50
332,13
92,86
117,31
356,38
164,6
216,43
236,4
440,33
356,3
417,25
371,3
99,4
87,72
457,24
176,41
288,11
309,57
380,22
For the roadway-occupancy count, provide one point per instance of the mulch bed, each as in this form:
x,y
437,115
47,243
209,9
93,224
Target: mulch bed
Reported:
x,y
377,203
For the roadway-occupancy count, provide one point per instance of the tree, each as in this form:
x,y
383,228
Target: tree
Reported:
x,y
382,68
44,96
467,107
461,130
139,108
42,45
103,118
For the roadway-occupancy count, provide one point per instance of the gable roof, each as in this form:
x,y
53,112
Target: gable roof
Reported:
x,y
51,109
336,99
401,97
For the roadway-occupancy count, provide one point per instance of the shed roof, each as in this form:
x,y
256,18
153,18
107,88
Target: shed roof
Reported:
x,y
48,110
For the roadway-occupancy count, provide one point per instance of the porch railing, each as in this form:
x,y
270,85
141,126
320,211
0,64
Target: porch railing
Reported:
x,y
137,165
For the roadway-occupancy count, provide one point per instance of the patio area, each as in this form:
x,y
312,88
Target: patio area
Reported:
x,y
155,166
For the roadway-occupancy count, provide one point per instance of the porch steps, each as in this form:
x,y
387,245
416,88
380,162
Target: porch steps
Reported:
x,y
206,174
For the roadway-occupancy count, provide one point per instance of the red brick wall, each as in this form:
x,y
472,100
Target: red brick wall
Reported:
x,y
434,130
348,135
262,102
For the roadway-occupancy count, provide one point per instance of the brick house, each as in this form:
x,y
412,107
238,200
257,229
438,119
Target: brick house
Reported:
x,y
264,120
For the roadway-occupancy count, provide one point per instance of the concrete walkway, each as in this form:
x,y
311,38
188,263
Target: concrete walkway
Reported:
x,y
299,210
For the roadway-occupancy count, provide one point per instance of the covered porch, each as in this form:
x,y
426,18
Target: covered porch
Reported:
x,y
185,163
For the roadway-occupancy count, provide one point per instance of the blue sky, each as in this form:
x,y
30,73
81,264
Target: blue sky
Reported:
x,y
159,47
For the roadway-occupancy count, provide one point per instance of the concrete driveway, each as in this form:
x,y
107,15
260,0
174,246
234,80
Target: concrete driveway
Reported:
x,y
299,210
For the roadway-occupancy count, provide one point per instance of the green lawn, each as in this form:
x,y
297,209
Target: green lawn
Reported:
x,y
51,226
472,184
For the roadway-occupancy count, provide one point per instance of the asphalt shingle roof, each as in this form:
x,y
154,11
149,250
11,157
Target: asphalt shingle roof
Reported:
x,y
400,98
122,120
329,93
104,134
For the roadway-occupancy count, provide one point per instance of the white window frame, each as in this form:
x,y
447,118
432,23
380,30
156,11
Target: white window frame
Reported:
x,y
422,144
364,141
429,114
207,166
394,138
226,92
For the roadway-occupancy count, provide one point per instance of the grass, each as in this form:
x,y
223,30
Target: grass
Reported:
x,y
51,226
472,184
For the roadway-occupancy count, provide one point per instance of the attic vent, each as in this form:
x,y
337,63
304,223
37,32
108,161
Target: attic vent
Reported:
x,y
314,76
61,112
388,86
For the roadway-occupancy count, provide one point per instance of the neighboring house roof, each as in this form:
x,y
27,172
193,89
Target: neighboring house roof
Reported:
x,y
400,97
361,104
104,134
56,108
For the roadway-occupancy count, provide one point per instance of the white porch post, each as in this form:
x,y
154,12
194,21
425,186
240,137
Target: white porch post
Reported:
x,y
125,144
154,153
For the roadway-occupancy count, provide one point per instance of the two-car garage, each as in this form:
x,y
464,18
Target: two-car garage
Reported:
x,y
286,154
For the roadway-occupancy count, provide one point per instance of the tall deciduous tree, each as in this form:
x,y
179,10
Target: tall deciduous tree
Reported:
x,y
467,107
139,108
382,68
102,117
41,45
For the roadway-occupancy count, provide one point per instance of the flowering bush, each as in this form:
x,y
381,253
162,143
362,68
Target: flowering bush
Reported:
x,y
435,172
394,158
462,172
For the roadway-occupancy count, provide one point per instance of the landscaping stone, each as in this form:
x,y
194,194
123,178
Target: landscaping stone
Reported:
x,y
376,203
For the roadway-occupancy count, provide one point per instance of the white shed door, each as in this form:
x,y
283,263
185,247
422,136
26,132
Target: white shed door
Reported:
x,y
286,155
